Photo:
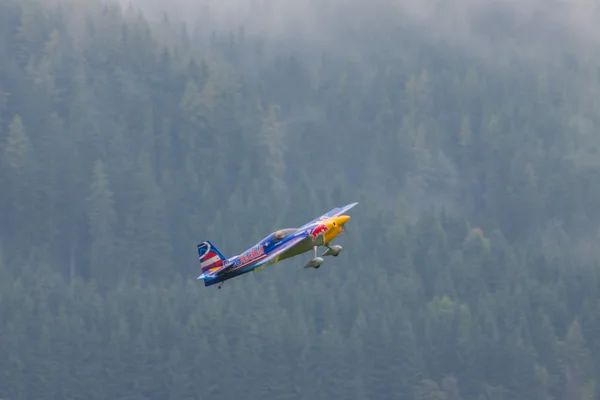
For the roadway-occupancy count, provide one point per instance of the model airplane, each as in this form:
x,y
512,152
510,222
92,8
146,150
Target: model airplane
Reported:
x,y
278,246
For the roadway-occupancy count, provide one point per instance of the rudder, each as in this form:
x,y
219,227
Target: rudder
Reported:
x,y
210,256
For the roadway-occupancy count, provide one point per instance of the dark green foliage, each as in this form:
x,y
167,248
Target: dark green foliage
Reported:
x,y
470,268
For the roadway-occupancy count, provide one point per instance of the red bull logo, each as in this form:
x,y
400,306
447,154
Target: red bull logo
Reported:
x,y
252,254
318,230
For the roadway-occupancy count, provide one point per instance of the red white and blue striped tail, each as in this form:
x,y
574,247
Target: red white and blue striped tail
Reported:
x,y
210,256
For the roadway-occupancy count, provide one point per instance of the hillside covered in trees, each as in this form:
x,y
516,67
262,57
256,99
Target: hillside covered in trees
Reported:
x,y
470,268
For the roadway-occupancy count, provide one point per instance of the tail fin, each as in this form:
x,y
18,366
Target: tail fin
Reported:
x,y
210,256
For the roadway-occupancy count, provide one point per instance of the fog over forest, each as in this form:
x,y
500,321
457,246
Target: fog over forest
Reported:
x,y
529,28
133,130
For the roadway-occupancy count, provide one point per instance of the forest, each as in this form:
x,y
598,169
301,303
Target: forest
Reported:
x,y
471,266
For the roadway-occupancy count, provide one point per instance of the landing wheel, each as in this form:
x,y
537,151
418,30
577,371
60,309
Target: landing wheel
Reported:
x,y
329,247
315,262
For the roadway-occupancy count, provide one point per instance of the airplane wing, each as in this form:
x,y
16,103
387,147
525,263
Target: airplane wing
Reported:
x,y
273,258
332,213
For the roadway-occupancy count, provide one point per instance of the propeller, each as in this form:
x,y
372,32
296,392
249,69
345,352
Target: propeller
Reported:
x,y
343,229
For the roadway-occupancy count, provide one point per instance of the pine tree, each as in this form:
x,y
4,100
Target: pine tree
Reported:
x,y
102,222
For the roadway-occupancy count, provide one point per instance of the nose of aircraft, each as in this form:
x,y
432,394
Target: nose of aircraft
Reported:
x,y
342,219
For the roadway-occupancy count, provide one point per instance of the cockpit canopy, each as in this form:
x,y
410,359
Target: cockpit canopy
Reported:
x,y
282,233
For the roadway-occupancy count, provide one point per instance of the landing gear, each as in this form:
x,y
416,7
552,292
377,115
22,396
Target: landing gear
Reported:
x,y
220,285
316,261
332,250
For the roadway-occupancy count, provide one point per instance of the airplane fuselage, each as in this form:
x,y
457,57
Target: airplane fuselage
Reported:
x,y
319,233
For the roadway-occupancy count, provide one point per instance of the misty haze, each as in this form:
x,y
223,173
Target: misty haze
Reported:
x,y
131,131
